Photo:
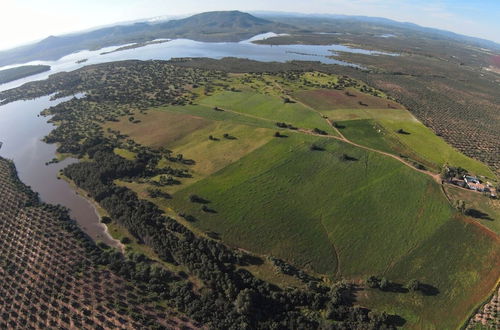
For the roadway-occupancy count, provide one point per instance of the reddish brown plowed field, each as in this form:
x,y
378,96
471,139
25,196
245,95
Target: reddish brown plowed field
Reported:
x,y
327,99
495,61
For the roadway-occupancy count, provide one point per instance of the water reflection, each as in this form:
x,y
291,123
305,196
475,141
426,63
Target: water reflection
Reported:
x,y
21,131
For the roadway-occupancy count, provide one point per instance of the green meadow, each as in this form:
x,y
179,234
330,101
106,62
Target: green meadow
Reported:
x,y
227,116
267,107
420,143
368,133
316,210
350,220
459,261
431,147
489,209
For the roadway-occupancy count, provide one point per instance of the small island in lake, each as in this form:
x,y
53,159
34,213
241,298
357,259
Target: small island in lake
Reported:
x,y
137,45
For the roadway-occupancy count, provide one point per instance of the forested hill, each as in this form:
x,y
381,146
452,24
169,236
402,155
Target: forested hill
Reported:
x,y
374,26
210,26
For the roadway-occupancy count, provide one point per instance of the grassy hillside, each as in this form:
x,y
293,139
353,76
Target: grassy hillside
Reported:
x,y
368,133
268,107
334,217
332,203
227,116
425,143
460,261
342,212
484,210
386,118
418,142
214,155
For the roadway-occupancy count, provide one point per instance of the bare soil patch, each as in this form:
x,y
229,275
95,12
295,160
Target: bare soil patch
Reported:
x,y
327,99
158,128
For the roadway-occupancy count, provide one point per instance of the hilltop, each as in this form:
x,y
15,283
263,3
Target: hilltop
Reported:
x,y
214,26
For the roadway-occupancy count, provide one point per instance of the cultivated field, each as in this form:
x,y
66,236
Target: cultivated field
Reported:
x,y
321,198
325,99
267,107
50,278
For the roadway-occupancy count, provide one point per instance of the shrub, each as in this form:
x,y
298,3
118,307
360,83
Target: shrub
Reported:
x,y
198,199
125,240
315,147
384,283
106,220
413,285
320,131
373,282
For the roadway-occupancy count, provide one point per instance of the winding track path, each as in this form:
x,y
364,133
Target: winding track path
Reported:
x,y
342,138
436,177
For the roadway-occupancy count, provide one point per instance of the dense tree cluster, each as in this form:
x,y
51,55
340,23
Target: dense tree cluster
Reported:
x,y
285,125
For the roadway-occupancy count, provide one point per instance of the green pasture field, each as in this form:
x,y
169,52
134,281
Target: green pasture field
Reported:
x,y
366,132
211,114
489,208
317,211
339,218
421,144
267,107
213,155
425,143
378,114
342,218
459,261
372,134
380,132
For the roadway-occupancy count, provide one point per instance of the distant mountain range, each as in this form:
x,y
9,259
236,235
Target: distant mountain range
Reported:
x,y
346,23
211,26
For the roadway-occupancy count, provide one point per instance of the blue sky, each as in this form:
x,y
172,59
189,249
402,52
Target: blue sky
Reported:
x,y
22,21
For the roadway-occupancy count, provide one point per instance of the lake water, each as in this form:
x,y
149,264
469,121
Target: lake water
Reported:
x,y
21,129
190,48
